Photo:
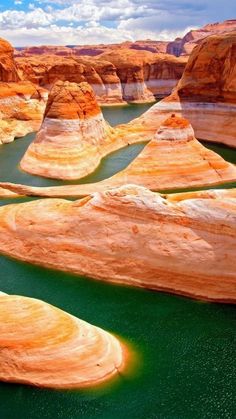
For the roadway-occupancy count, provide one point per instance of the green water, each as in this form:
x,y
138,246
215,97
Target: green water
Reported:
x,y
185,363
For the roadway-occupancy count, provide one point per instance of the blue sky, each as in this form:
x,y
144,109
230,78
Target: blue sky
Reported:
x,y
61,22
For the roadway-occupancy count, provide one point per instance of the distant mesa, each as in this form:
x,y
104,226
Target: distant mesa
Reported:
x,y
183,244
44,346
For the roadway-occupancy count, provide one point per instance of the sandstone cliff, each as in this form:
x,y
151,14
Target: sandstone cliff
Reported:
x,y
122,75
181,244
73,137
206,94
43,346
21,109
185,45
8,70
21,103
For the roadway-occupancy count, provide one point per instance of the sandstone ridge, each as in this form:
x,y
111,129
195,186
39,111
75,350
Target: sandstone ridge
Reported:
x,y
184,244
44,346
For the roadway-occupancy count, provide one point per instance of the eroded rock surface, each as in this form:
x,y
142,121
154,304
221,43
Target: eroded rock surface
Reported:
x,y
44,346
183,244
73,137
206,94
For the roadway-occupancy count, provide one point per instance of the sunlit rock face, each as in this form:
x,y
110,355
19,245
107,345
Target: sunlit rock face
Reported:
x,y
44,346
145,75
173,159
206,94
45,70
74,135
8,70
22,105
117,76
185,45
180,244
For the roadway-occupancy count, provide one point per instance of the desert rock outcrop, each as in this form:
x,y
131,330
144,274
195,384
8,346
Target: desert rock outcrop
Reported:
x,y
21,103
73,137
8,70
173,159
22,106
44,346
206,94
116,76
183,244
185,45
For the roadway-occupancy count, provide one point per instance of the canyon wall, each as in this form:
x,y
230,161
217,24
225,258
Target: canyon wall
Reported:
x,y
185,45
21,103
205,94
119,76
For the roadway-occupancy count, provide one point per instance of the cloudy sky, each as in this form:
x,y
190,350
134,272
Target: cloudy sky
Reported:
x,y
63,22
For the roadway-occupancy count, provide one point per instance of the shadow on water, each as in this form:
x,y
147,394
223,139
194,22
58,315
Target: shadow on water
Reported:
x,y
185,349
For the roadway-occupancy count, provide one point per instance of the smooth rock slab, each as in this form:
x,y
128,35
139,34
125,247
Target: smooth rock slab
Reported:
x,y
44,346
185,244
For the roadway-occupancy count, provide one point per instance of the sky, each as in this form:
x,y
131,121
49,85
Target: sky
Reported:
x,y
67,22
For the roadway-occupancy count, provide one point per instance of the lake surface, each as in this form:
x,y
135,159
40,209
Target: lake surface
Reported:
x,y
184,350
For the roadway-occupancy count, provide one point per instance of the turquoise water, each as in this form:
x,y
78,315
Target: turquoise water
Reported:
x,y
185,350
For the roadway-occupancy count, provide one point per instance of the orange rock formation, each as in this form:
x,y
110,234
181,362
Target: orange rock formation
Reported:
x,y
173,159
116,76
74,135
21,109
184,244
185,45
8,70
44,346
206,94
21,104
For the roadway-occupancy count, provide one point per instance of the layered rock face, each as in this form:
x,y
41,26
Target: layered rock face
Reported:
x,y
92,50
46,70
44,346
206,94
145,75
22,106
180,244
122,75
185,45
73,137
173,159
8,70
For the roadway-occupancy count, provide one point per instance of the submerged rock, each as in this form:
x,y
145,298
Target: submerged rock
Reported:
x,y
44,346
184,243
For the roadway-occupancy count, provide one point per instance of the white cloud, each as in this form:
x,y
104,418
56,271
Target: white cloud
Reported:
x,y
89,34
97,21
